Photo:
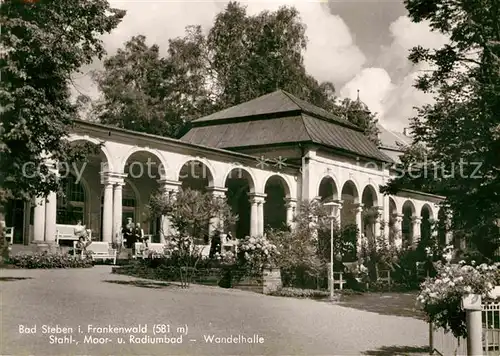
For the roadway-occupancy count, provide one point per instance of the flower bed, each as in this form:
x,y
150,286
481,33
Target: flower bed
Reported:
x,y
48,260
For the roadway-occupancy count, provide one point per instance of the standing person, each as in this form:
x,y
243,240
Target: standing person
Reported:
x,y
128,232
216,245
137,236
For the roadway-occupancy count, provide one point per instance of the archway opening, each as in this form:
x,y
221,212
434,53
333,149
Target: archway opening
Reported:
x,y
195,175
327,189
425,225
393,228
369,215
350,199
143,169
276,191
407,224
90,172
239,184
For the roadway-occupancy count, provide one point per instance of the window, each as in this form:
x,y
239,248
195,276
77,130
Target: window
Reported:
x,y
70,203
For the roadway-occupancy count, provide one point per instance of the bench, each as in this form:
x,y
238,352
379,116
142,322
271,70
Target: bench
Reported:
x,y
102,251
67,232
157,249
9,235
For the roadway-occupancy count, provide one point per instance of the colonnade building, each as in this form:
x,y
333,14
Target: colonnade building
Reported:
x,y
266,156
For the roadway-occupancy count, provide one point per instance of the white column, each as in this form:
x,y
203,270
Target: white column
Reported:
x,y
169,189
50,218
291,205
117,210
260,216
415,238
257,214
378,219
386,217
107,213
254,226
39,221
338,216
398,238
359,223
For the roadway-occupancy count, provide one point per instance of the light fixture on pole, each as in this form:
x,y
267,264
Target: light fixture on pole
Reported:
x,y
333,215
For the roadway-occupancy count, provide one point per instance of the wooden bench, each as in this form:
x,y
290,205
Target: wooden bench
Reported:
x,y
102,251
157,248
9,235
67,232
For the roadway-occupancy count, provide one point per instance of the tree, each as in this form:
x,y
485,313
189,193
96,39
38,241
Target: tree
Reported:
x,y
144,92
242,57
356,112
460,130
43,43
190,212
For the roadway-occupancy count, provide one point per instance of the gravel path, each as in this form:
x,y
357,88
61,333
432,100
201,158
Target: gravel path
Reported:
x,y
284,326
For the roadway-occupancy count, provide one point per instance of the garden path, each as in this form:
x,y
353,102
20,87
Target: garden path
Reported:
x,y
81,297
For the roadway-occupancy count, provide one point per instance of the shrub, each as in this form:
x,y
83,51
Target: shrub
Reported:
x,y
301,293
48,260
441,297
257,252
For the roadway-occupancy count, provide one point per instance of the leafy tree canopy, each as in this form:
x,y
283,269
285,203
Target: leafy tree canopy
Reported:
x,y
242,57
460,130
43,43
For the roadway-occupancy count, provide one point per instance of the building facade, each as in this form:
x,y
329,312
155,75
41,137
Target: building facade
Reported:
x,y
266,156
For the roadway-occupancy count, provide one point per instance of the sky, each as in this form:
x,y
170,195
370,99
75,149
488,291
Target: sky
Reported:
x,y
356,44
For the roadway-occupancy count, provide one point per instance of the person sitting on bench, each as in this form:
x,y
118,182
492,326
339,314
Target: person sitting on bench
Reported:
x,y
81,231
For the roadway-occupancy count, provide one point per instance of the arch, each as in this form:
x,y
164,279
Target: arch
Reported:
x,y
328,187
350,188
369,197
282,179
350,198
409,206
408,211
104,149
276,190
157,154
429,209
242,173
239,183
207,171
426,225
393,207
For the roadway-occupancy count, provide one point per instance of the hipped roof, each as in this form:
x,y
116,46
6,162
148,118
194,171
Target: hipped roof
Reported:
x,y
280,118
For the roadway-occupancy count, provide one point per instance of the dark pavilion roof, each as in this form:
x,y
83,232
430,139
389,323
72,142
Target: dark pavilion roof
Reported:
x,y
280,118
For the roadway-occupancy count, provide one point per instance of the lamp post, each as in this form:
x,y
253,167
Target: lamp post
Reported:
x,y
331,286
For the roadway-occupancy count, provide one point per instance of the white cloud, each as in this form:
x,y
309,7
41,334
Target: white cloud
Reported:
x,y
392,95
331,54
373,85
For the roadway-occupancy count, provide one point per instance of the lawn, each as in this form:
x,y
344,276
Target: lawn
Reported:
x,y
397,304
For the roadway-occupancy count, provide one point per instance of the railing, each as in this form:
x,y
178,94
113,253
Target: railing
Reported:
x,y
446,344
442,343
491,327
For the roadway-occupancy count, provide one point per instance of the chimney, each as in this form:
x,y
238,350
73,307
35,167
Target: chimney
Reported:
x,y
405,131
